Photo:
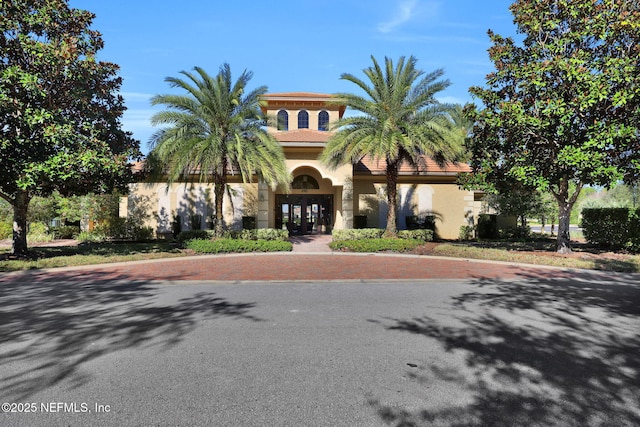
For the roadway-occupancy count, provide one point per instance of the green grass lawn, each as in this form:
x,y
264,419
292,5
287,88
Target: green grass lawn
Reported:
x,y
542,253
87,254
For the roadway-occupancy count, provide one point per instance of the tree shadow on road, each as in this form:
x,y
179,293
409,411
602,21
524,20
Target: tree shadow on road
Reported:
x,y
52,327
562,351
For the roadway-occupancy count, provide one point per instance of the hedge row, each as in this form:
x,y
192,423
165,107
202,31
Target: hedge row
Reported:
x,y
259,234
612,227
224,245
247,234
377,245
376,233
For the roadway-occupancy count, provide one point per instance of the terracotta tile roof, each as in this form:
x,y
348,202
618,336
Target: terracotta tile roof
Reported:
x,y
302,135
296,95
370,166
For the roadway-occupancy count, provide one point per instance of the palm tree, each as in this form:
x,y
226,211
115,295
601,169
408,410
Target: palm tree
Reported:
x,y
400,121
214,130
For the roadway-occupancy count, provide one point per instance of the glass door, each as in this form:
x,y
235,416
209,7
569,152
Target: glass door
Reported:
x,y
304,214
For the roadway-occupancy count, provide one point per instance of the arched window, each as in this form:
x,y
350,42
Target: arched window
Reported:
x,y
283,120
323,121
305,182
303,120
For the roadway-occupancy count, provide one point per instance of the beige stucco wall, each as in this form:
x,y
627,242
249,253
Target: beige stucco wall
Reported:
x,y
162,202
452,207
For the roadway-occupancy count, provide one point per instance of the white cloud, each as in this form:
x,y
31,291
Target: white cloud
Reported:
x,y
408,10
402,15
136,96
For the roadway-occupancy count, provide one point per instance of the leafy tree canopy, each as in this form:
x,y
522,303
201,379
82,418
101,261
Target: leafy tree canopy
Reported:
x,y
59,107
562,107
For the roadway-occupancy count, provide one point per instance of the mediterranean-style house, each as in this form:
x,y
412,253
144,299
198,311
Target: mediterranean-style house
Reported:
x,y
320,199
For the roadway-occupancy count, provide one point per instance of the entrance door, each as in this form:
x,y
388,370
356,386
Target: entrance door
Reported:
x,y
302,214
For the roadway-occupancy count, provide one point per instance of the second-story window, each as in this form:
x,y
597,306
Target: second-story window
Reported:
x,y
303,120
323,121
283,120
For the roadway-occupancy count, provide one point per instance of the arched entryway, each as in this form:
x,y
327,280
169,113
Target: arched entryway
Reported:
x,y
304,213
309,207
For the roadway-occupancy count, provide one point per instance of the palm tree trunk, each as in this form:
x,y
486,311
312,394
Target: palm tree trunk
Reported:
x,y
218,193
20,207
392,198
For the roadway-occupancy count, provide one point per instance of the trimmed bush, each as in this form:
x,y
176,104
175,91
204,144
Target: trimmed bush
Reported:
x,y
377,245
185,236
357,234
125,229
224,245
612,227
65,231
515,232
487,226
258,234
91,237
421,234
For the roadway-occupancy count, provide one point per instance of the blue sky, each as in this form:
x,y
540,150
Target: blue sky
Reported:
x,y
291,45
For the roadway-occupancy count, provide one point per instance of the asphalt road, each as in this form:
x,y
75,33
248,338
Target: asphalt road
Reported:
x,y
536,352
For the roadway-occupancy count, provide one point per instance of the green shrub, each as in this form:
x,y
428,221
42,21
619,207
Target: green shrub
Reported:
x,y
612,227
272,234
515,232
420,234
38,232
65,231
6,230
466,232
225,245
91,237
377,245
185,236
38,228
125,229
357,234
140,234
257,234
487,226
633,243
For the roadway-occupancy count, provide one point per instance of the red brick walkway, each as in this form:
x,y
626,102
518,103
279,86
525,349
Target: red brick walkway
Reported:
x,y
288,266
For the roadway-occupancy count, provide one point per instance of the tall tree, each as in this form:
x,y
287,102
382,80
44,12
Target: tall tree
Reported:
x,y
561,111
400,121
59,109
216,129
